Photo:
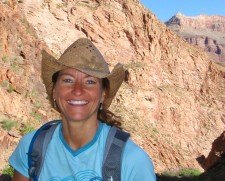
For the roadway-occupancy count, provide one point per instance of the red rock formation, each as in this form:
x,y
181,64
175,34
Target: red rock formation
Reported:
x,y
22,94
218,149
204,31
173,98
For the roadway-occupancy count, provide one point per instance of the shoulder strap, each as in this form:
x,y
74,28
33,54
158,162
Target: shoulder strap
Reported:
x,y
116,140
38,147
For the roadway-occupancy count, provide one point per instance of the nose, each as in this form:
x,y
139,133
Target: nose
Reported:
x,y
78,88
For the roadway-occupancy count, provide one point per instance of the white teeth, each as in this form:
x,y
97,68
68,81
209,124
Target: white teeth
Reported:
x,y
77,102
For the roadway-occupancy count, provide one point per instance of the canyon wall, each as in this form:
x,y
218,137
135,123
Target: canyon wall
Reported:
x,y
172,101
207,32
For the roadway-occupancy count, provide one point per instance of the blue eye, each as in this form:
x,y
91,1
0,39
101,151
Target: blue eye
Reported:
x,y
68,80
91,82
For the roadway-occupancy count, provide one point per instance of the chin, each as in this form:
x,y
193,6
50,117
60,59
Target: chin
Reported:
x,y
79,118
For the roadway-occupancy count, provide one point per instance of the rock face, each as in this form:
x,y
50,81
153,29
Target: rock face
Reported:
x,y
215,173
216,153
204,31
173,99
23,97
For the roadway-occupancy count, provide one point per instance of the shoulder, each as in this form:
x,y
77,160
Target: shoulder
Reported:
x,y
131,150
28,137
136,164
134,151
18,159
24,142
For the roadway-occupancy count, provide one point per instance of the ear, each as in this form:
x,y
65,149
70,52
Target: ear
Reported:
x,y
103,96
53,93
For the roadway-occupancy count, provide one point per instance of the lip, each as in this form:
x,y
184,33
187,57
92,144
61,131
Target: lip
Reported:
x,y
74,102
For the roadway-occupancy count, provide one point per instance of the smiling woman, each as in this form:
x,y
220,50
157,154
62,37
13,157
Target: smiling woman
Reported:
x,y
78,96
81,88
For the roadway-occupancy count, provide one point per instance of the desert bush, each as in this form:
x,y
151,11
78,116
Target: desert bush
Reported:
x,y
8,170
8,124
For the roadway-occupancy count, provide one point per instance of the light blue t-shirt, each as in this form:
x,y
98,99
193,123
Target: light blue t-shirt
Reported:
x,y
85,164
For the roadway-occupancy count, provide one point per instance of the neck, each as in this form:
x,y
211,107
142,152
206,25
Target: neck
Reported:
x,y
77,134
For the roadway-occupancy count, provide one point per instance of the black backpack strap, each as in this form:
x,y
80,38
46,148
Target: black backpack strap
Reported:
x,y
116,140
38,147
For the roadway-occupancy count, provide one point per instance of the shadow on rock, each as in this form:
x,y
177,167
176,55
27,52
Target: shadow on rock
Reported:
x,y
214,163
5,177
215,173
176,178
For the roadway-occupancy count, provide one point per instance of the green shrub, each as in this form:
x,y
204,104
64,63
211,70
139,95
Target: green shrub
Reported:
x,y
36,116
8,124
4,83
189,172
168,173
9,87
15,67
26,129
38,104
184,172
8,170
5,58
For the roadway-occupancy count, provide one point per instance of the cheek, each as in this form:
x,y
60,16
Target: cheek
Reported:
x,y
58,92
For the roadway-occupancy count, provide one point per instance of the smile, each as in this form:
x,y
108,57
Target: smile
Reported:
x,y
77,102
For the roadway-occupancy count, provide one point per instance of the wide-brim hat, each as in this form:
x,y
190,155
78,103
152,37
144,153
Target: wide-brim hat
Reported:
x,y
85,57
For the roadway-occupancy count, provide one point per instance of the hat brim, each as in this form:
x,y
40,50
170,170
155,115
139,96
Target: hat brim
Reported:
x,y
50,66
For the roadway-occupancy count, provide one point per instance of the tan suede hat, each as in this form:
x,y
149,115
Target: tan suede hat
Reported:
x,y
85,57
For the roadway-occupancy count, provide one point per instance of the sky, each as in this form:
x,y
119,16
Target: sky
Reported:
x,y
165,9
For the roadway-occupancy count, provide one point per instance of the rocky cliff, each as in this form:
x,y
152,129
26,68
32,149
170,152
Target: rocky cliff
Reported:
x,y
23,99
204,31
172,101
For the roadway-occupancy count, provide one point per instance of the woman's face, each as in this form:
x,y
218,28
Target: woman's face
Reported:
x,y
78,95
